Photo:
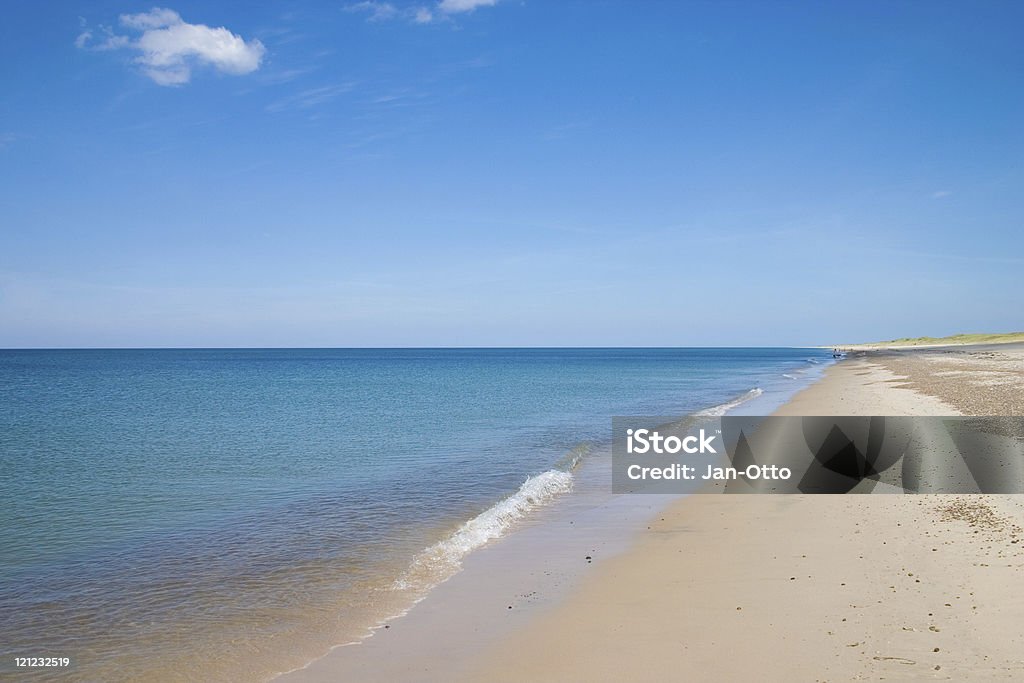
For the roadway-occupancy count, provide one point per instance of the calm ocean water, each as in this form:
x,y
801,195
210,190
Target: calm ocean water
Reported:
x,y
227,514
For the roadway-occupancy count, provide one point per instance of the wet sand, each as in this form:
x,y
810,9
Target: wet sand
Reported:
x,y
816,588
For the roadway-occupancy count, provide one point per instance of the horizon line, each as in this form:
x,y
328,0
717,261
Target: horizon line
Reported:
x,y
387,348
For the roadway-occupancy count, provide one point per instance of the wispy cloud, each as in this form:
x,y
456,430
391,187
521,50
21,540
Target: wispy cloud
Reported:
x,y
397,98
376,11
7,139
312,97
939,194
381,10
280,76
170,47
917,257
459,6
106,40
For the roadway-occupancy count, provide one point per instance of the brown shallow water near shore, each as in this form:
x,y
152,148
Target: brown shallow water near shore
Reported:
x,y
816,588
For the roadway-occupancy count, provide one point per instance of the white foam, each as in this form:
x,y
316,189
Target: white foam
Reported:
x,y
788,376
720,410
443,559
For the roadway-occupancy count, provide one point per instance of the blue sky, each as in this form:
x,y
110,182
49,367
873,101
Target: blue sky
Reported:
x,y
466,173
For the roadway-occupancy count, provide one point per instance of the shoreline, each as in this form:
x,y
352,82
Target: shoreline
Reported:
x,y
318,496
799,587
746,587
506,585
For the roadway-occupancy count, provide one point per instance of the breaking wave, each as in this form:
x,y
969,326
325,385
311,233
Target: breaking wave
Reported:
x,y
443,560
723,408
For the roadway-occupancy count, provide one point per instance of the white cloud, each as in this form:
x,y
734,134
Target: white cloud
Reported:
x,y
458,6
170,47
158,17
110,41
939,194
380,10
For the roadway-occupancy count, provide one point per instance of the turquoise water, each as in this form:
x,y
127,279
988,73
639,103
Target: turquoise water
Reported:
x,y
227,514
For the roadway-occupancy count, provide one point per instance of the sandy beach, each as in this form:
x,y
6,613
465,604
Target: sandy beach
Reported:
x,y
776,588
815,588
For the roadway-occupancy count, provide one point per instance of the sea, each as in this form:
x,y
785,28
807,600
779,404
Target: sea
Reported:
x,y
231,514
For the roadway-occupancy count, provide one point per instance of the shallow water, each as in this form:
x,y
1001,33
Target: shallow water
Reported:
x,y
227,514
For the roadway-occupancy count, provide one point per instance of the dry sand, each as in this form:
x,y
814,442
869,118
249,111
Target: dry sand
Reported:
x,y
809,588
